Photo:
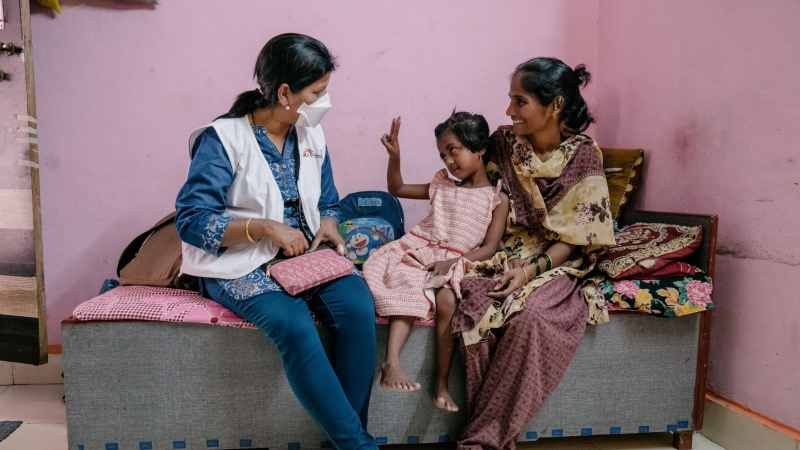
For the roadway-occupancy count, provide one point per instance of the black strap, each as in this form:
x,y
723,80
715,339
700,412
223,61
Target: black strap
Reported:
x,y
297,163
297,183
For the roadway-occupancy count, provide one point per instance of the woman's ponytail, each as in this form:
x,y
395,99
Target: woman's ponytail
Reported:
x,y
582,75
245,103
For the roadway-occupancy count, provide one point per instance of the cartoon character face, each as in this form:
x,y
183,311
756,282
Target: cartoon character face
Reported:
x,y
359,242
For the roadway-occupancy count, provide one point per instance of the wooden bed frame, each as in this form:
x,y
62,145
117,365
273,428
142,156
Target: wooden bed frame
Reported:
x,y
705,259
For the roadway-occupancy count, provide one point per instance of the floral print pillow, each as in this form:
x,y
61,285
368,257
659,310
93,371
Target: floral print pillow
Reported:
x,y
650,251
665,297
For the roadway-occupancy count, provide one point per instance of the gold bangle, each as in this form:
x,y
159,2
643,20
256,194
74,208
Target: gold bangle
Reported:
x,y
247,230
526,274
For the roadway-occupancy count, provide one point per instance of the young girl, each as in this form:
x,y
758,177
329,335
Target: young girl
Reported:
x,y
418,275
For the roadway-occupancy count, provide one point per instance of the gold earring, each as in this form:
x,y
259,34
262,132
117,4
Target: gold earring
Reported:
x,y
555,114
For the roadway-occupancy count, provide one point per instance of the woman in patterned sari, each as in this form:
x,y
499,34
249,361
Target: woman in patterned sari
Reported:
x,y
523,312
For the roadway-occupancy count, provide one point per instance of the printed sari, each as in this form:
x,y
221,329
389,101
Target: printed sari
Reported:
x,y
562,199
516,356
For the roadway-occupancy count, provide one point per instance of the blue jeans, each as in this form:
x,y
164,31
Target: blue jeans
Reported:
x,y
335,392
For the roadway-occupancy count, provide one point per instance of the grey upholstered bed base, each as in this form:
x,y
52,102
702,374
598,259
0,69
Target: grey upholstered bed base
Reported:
x,y
157,385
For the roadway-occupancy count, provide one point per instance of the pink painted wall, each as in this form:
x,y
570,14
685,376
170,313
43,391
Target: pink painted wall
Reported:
x,y
710,90
119,87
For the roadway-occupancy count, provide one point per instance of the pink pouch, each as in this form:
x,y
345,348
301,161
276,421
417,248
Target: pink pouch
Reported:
x,y
309,270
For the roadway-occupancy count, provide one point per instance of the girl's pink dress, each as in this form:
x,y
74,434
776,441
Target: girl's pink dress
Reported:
x,y
456,224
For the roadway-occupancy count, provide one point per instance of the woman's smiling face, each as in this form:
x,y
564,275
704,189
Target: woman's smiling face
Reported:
x,y
527,114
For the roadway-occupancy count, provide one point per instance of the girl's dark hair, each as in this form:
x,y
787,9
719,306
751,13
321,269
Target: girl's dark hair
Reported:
x,y
547,78
295,59
469,128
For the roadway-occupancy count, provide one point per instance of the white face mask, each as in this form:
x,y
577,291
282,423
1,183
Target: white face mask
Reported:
x,y
311,115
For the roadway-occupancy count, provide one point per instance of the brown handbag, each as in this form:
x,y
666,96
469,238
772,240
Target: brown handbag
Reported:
x,y
154,258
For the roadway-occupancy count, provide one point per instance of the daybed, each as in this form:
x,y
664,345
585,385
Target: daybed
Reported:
x,y
157,385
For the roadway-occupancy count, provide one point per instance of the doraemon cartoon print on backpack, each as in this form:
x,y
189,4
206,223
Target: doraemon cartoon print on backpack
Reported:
x,y
369,220
363,235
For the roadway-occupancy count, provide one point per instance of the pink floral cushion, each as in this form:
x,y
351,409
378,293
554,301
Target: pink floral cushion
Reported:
x,y
158,304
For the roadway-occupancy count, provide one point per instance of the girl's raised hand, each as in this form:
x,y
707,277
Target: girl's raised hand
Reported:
x,y
391,140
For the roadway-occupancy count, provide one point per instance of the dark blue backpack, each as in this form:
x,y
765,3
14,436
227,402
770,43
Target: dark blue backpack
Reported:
x,y
369,220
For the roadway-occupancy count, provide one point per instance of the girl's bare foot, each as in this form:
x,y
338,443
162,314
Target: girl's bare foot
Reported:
x,y
443,400
393,378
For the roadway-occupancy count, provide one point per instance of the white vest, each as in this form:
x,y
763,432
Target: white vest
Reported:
x,y
255,193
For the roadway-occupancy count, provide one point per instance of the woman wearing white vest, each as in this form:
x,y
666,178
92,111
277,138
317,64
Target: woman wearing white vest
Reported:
x,y
260,187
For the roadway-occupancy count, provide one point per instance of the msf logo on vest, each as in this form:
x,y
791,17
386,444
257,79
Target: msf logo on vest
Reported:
x,y
309,153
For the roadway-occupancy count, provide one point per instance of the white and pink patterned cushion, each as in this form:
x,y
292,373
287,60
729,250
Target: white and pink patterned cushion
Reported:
x,y
158,304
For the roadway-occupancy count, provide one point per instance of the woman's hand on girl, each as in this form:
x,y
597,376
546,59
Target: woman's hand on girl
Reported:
x,y
512,281
391,141
440,267
328,232
515,263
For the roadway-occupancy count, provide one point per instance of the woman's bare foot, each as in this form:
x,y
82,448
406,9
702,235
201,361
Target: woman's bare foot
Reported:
x,y
443,400
394,378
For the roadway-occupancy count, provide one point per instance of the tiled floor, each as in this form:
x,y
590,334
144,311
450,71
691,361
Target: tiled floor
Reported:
x,y
44,427
43,416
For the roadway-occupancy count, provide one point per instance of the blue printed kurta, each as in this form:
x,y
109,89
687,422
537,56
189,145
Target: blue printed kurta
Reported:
x,y
202,201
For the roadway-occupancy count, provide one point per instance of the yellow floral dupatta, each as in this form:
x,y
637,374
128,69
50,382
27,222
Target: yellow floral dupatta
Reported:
x,y
562,199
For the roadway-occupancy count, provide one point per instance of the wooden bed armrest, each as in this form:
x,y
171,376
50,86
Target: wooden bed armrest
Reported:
x,y
704,257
